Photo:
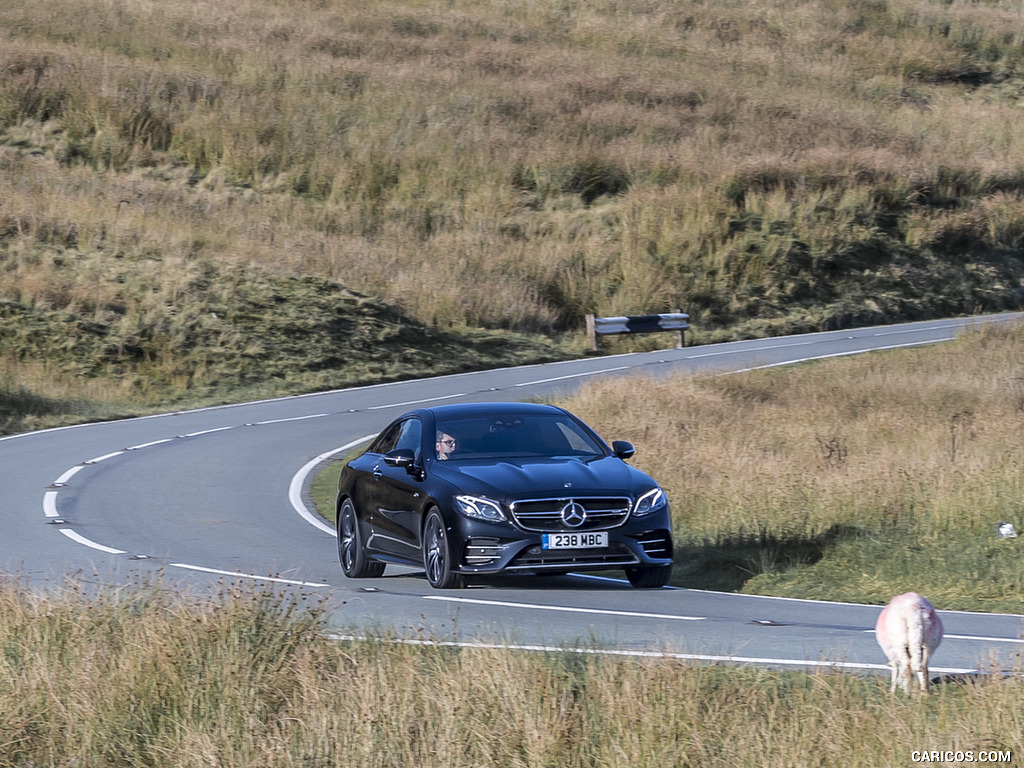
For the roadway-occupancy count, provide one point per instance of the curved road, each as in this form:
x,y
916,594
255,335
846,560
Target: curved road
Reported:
x,y
216,494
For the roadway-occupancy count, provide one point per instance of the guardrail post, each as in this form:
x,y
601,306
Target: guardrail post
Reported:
x,y
592,332
679,334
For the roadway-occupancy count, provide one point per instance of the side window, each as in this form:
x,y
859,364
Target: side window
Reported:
x,y
411,436
386,441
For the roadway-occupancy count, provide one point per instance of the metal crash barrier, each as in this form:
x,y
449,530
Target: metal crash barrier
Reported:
x,y
668,321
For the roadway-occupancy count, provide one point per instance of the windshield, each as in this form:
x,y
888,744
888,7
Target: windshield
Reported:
x,y
514,436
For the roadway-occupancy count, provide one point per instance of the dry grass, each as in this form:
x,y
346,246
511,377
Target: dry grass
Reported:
x,y
139,676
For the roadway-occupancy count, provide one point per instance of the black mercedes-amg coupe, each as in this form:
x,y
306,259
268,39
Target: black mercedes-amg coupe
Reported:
x,y
492,487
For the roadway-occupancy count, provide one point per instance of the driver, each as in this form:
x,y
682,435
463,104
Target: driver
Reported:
x,y
445,445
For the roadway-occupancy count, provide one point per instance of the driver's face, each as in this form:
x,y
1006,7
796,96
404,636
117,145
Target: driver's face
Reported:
x,y
445,445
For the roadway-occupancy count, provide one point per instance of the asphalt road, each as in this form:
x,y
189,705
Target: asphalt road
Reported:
x,y
213,495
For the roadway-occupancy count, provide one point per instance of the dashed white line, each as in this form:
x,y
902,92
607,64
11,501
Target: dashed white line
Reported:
x,y
415,402
293,418
236,574
50,504
104,457
150,444
916,330
89,543
565,608
746,351
69,474
207,431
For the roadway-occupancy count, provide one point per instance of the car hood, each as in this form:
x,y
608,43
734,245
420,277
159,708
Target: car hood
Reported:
x,y
544,477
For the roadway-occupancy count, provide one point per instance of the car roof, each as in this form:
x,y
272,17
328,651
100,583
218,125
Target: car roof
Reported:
x,y
462,410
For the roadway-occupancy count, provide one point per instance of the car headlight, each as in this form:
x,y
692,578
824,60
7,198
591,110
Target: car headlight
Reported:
x,y
480,508
651,501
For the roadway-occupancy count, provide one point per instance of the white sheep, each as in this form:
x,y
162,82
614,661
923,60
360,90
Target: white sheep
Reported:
x,y
909,631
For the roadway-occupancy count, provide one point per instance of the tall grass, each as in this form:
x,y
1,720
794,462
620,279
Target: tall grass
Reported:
x,y
852,478
141,676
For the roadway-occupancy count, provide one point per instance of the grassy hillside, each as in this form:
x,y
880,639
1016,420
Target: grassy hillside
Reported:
x,y
767,167
233,331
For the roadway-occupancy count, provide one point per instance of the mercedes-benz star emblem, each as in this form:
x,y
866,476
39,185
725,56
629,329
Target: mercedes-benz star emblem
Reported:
x,y
574,515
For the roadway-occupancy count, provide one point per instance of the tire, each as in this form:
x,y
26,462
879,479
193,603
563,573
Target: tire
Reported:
x,y
437,554
353,559
649,578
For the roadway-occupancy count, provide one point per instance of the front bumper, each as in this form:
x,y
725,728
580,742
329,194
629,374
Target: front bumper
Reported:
x,y
495,547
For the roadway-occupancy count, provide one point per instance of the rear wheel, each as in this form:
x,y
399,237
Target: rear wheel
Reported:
x,y
649,578
437,554
350,547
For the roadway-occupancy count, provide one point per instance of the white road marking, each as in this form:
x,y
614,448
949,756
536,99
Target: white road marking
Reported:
x,y
238,575
104,457
50,504
147,445
746,351
293,418
915,330
207,431
982,638
573,376
649,654
89,543
564,608
837,354
295,488
415,402
69,474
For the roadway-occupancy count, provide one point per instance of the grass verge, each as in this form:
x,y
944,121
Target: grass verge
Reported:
x,y
141,675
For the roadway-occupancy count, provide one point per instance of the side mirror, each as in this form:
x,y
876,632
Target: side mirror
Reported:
x,y
400,457
623,449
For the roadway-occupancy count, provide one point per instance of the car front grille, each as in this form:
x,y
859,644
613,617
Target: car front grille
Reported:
x,y
546,514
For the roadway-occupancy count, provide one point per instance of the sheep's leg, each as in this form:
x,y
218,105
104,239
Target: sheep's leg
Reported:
x,y
904,664
922,671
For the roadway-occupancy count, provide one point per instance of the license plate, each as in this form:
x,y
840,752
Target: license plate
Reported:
x,y
574,540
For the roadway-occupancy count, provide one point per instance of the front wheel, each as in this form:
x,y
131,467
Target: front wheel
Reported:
x,y
649,578
437,554
353,559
